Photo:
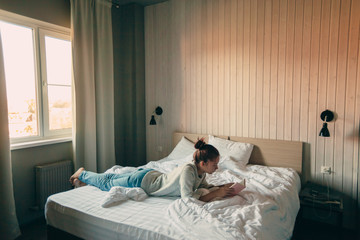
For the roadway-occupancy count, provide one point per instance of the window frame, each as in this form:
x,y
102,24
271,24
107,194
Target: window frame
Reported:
x,y
45,108
40,28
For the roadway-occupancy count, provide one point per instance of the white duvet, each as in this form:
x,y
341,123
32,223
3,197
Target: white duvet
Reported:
x,y
266,209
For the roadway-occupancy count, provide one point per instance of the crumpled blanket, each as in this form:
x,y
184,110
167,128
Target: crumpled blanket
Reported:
x,y
118,194
265,209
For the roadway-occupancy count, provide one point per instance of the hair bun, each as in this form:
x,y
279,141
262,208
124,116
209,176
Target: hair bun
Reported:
x,y
200,143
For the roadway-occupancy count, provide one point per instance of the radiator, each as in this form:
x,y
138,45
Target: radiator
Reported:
x,y
52,178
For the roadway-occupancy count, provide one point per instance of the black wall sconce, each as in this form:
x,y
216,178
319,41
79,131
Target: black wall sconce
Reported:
x,y
158,111
326,116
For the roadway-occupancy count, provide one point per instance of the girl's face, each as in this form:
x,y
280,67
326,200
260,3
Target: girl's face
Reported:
x,y
211,165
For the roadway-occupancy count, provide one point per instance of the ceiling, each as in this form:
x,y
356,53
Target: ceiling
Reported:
x,y
142,2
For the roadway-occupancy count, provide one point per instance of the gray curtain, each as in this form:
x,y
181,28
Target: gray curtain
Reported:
x,y
93,127
129,85
9,227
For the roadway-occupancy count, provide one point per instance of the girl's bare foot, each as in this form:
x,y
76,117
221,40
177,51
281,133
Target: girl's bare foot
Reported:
x,y
78,183
76,175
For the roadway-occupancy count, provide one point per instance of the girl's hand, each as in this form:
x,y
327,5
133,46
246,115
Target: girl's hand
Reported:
x,y
225,191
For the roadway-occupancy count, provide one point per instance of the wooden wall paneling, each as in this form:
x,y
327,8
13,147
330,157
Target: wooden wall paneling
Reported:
x,y
178,64
172,58
305,86
281,70
161,46
157,67
354,67
323,70
356,8
263,68
187,39
197,64
221,79
348,99
305,72
350,131
192,59
267,69
149,75
165,79
216,61
240,67
314,122
289,69
227,65
246,70
209,52
252,62
183,63
168,59
274,66
297,77
232,98
188,64
203,70
340,176
331,81
259,84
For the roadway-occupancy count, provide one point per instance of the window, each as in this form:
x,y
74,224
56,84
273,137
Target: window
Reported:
x,y
38,73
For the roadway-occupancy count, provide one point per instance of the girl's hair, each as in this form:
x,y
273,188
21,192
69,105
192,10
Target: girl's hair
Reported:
x,y
204,152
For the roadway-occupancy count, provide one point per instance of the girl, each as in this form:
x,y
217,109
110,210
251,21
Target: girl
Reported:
x,y
184,181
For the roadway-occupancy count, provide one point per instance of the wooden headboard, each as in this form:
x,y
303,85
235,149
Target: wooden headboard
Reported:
x,y
273,153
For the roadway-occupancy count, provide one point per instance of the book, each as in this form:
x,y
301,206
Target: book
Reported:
x,y
239,186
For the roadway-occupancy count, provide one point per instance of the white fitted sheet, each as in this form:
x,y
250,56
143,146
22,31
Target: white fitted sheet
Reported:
x,y
79,211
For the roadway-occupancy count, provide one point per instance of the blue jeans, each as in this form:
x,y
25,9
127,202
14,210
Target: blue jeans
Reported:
x,y
105,181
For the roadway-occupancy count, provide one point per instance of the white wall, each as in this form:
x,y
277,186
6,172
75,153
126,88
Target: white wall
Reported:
x,y
260,68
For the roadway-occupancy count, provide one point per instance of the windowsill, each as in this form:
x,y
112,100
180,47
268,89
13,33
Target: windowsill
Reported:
x,y
39,143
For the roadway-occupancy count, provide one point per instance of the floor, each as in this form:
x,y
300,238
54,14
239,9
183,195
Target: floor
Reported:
x,y
303,231
35,230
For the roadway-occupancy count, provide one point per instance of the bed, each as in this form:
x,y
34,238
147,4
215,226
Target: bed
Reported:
x,y
265,209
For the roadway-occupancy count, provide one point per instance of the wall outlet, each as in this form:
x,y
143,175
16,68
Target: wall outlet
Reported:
x,y
326,169
159,148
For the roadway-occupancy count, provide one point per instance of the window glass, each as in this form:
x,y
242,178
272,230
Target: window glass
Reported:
x,y
19,64
58,71
58,61
60,116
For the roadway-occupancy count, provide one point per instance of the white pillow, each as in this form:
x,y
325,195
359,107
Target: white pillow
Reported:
x,y
237,151
183,149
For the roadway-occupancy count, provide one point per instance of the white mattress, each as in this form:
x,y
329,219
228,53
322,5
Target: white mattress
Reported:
x,y
78,211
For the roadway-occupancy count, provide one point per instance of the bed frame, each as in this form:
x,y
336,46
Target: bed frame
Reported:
x,y
273,153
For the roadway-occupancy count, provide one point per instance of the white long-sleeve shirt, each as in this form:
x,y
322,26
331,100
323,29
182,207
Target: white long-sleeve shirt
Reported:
x,y
183,181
